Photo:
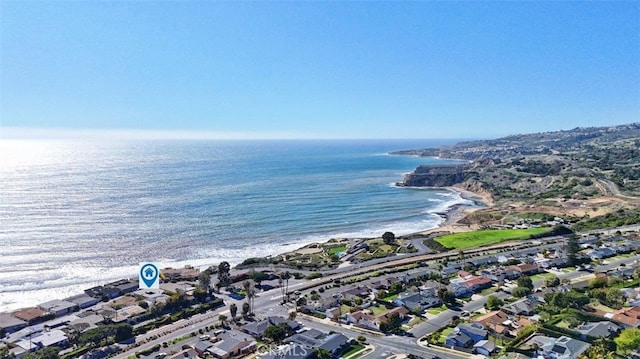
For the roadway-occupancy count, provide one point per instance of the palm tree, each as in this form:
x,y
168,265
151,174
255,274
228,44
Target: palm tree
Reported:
x,y
322,354
223,273
233,308
251,293
222,318
246,309
281,287
286,276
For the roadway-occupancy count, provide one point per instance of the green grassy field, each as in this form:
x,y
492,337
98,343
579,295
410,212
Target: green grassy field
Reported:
x,y
336,250
489,236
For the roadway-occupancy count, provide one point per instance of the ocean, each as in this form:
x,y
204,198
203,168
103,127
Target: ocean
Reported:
x,y
74,214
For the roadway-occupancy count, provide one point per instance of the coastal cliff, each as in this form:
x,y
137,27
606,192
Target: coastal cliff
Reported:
x,y
435,176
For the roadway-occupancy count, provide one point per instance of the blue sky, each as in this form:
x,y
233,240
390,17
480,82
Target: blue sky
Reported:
x,y
318,69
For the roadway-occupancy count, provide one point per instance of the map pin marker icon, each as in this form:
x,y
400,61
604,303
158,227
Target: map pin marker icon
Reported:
x,y
149,275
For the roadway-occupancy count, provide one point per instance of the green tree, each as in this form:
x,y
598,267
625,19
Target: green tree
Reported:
x,y
553,281
246,309
319,353
258,276
94,336
392,325
285,278
599,282
233,309
223,319
615,298
598,350
251,293
573,247
276,333
526,282
494,303
628,340
388,238
224,278
123,332
204,281
447,297
520,292
44,353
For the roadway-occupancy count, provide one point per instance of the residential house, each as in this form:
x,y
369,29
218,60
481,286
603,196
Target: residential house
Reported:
x,y
257,329
458,339
450,269
401,311
458,290
627,317
476,284
87,320
188,273
475,331
523,306
466,335
83,300
363,318
498,322
31,315
100,292
525,269
560,348
382,284
484,347
50,338
127,314
125,286
482,261
600,253
232,343
10,323
323,304
603,329
356,292
333,313
418,301
332,342
59,307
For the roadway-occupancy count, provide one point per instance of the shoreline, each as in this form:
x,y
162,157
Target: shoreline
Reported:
x,y
451,215
458,211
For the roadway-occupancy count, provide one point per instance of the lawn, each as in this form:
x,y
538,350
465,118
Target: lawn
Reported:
x,y
542,276
354,348
336,250
378,309
484,237
485,292
444,334
437,310
345,309
390,298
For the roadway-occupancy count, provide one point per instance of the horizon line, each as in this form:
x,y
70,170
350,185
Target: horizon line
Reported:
x,y
57,133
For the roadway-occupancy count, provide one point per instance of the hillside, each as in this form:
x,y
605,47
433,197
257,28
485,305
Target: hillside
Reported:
x,y
580,171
